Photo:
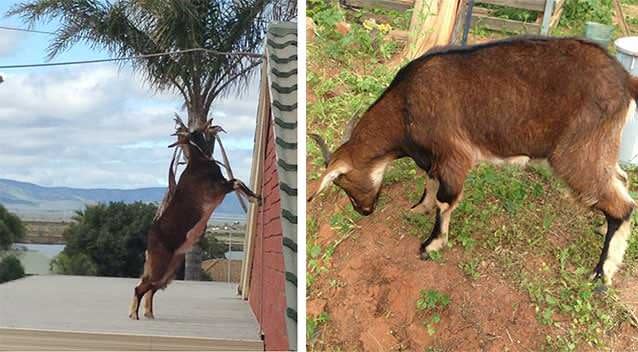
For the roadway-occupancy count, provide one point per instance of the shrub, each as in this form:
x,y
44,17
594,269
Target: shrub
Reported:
x,y
106,240
10,269
11,229
78,264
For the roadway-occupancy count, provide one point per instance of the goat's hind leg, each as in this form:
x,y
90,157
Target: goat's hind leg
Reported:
x,y
617,206
140,290
599,185
148,303
624,178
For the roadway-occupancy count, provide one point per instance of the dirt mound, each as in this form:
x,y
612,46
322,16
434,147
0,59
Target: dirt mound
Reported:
x,y
376,278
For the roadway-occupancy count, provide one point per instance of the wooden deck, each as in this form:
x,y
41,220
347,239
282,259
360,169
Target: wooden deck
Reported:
x,y
90,313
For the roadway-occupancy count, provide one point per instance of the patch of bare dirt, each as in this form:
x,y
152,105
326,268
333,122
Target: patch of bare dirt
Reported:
x,y
626,339
380,275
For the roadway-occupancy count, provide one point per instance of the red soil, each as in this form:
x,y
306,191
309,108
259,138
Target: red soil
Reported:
x,y
379,276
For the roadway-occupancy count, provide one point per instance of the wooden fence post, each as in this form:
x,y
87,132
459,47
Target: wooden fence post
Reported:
x,y
432,24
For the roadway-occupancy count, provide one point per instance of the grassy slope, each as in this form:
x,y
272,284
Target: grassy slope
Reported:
x,y
523,220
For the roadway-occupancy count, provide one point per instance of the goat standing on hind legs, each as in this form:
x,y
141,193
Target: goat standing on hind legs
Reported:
x,y
182,218
560,99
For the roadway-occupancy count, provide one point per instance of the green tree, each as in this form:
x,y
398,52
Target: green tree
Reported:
x,y
106,240
212,248
77,264
10,269
11,228
133,27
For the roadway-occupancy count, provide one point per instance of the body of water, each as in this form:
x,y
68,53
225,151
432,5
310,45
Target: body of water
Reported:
x,y
49,250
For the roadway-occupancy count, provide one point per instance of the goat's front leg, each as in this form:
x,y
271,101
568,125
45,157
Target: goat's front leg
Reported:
x,y
243,189
448,196
439,236
428,199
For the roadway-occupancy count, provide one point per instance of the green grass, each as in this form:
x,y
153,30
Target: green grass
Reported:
x,y
432,303
510,215
313,324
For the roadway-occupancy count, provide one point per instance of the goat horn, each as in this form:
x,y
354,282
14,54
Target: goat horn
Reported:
x,y
323,147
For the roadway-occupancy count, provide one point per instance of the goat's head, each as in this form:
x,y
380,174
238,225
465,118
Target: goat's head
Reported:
x,y
198,141
360,181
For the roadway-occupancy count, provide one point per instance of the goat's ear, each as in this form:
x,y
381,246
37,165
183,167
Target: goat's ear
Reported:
x,y
331,174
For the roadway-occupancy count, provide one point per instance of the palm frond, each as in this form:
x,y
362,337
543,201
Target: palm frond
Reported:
x,y
132,27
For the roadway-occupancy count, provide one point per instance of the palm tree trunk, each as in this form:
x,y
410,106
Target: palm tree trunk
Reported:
x,y
193,264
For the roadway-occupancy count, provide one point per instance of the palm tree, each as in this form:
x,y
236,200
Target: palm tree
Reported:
x,y
128,28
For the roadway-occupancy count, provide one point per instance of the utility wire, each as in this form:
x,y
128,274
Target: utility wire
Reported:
x,y
67,63
15,29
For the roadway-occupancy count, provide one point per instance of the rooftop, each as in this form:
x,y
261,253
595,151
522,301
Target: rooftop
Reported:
x,y
90,313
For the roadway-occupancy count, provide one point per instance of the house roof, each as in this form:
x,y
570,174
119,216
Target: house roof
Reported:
x,y
281,58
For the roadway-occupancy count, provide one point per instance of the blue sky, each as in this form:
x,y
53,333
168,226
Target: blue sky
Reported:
x,y
96,125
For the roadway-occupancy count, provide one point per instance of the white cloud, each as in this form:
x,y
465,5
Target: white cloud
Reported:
x,y
98,126
8,41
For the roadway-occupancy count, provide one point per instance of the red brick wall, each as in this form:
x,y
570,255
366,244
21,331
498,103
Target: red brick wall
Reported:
x,y
267,291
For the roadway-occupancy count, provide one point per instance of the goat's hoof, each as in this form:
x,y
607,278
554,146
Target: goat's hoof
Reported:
x,y
133,316
149,315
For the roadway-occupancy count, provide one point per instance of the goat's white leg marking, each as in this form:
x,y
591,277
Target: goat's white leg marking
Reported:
x,y
617,247
148,304
428,204
446,214
132,313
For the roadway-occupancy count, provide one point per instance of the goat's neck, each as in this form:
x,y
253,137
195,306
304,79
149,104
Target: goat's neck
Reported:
x,y
380,133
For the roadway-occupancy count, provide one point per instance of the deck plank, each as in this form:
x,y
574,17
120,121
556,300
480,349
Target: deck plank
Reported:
x,y
74,311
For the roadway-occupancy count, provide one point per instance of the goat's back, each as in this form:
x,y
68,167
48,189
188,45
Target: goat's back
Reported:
x,y
513,97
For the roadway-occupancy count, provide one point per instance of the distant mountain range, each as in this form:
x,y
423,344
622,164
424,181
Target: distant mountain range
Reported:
x,y
32,201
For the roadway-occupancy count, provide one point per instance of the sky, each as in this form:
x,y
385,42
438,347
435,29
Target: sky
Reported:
x,y
96,125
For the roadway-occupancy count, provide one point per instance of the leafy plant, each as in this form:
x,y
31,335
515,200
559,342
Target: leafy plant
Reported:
x,y
11,228
433,302
106,240
313,323
580,11
10,269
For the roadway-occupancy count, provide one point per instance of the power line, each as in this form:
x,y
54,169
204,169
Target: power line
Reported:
x,y
16,29
67,63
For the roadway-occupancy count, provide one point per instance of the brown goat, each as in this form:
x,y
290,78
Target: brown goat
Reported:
x,y
188,206
564,100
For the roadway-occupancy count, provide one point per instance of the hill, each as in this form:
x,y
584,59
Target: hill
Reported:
x,y
38,202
